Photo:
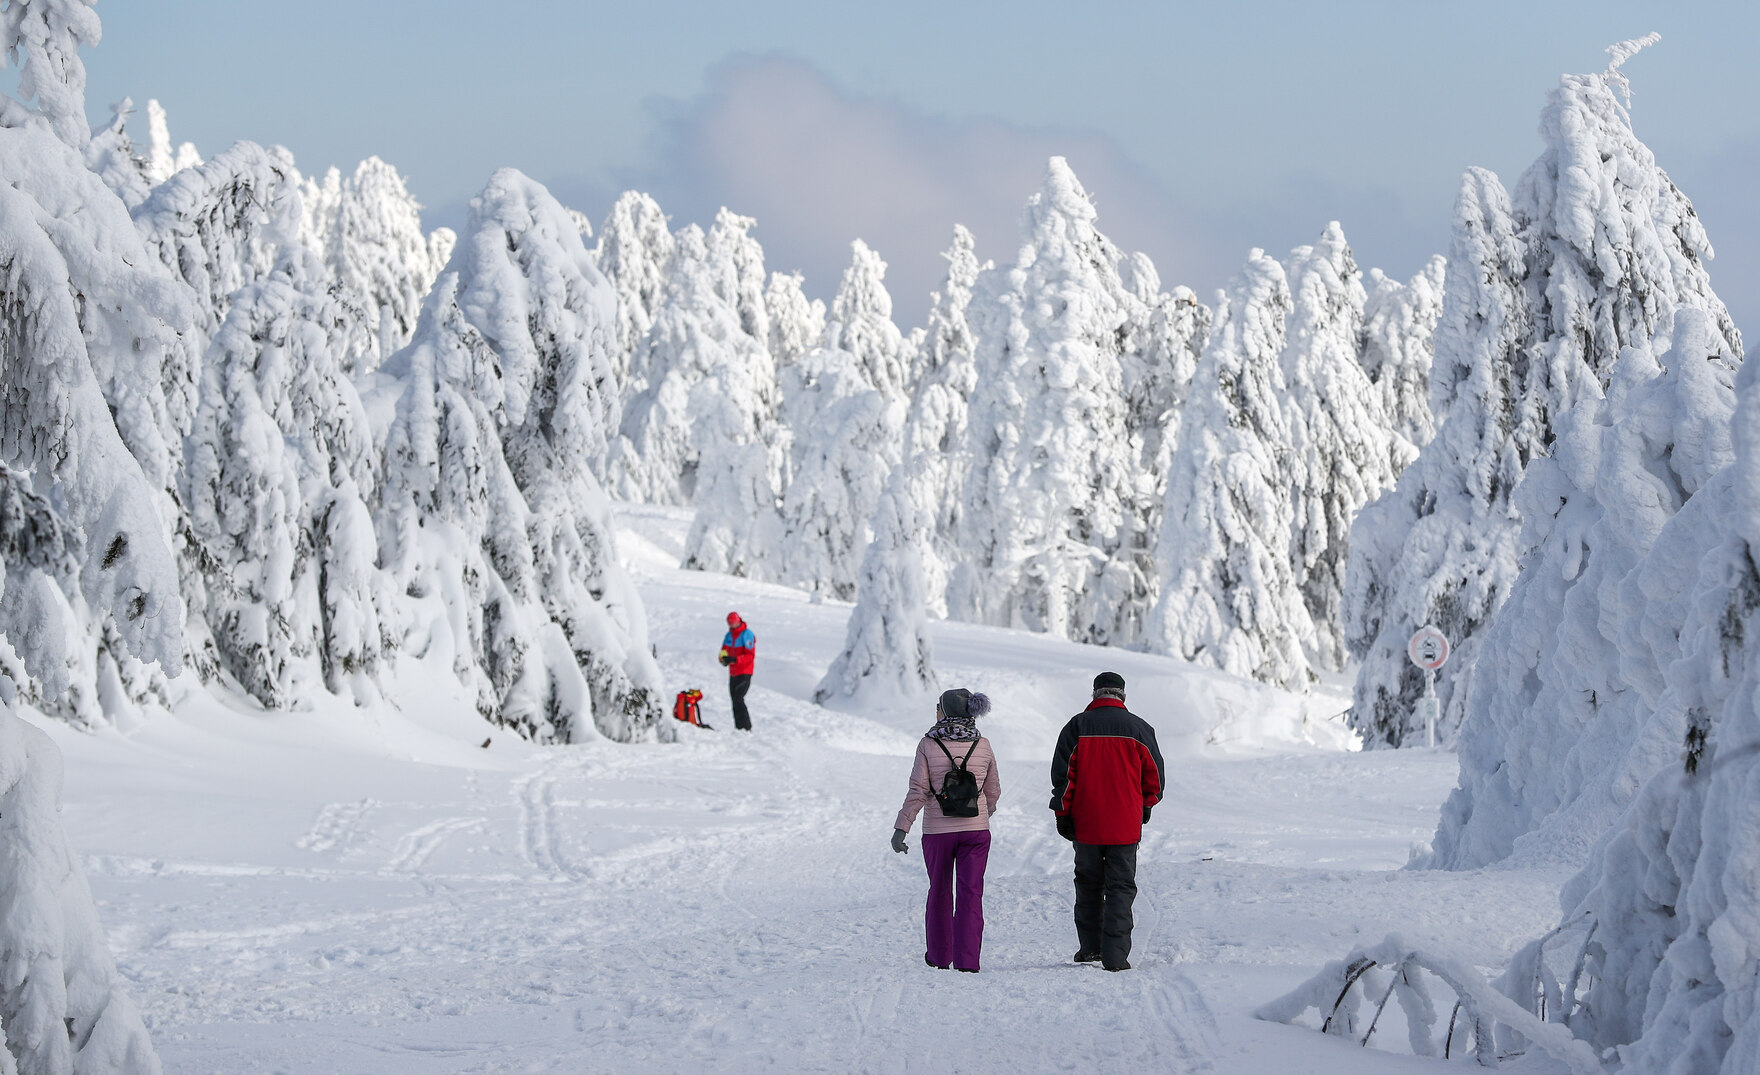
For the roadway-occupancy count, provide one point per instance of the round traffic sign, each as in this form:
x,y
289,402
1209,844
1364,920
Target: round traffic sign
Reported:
x,y
1428,649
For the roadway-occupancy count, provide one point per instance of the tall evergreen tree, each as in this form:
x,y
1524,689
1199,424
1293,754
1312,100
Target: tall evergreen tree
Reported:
x,y
1051,509
635,247
1229,596
860,323
1399,346
796,324
490,504
1442,547
1651,348
1342,456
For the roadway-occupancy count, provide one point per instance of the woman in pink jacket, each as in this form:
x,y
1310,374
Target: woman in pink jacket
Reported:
x,y
956,828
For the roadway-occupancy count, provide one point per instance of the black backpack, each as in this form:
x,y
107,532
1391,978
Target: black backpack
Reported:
x,y
959,788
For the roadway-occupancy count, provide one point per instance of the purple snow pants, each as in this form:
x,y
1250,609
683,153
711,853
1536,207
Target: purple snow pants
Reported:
x,y
954,926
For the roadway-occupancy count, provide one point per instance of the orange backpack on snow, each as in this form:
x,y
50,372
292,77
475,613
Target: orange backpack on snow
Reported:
x,y
686,708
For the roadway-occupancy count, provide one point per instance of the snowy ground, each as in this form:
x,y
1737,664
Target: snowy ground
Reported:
x,y
348,892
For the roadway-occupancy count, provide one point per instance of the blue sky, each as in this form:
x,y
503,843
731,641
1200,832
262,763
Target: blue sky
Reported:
x,y
1201,130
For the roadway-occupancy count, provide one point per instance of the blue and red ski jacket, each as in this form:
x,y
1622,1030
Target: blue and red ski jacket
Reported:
x,y
1106,773
742,645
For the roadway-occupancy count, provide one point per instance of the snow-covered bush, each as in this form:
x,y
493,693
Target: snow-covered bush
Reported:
x,y
1228,588
1341,454
1482,1020
1051,519
489,500
61,1001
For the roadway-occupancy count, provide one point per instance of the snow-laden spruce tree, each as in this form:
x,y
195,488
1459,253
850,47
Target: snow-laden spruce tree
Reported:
x,y
1341,454
860,323
489,504
1552,754
1667,911
1166,345
1399,346
848,441
710,394
634,250
797,325
1051,519
943,377
112,155
1441,548
221,224
887,657
98,382
1229,597
281,466
1546,754
367,229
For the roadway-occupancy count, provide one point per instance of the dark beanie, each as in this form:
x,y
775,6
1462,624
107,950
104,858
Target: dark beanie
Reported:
x,y
954,703
1109,681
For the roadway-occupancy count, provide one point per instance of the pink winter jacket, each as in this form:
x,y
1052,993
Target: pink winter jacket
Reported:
x,y
927,772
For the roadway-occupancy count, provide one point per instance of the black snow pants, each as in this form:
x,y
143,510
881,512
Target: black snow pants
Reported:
x,y
1106,885
737,686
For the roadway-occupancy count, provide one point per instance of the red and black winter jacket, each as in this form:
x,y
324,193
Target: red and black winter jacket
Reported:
x,y
742,646
1107,771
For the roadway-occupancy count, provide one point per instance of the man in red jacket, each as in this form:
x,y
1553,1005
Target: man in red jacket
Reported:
x,y
1105,778
739,652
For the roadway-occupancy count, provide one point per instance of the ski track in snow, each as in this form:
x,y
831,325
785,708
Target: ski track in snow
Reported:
x,y
728,903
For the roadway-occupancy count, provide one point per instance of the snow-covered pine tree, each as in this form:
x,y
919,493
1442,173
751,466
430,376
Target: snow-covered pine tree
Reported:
x,y
634,251
1229,597
112,155
369,235
1341,454
709,386
162,161
796,324
221,224
848,443
1666,911
86,308
490,507
887,656
736,264
1441,548
1052,507
943,377
280,464
860,323
1399,346
1550,754
43,39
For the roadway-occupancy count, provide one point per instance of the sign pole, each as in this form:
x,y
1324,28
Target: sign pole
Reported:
x,y
1428,649
1430,707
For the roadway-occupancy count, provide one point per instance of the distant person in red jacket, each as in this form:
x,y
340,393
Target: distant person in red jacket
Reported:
x,y
739,651
1105,778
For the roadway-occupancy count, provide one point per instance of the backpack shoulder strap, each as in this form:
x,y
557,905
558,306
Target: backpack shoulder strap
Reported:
x,y
969,752
942,745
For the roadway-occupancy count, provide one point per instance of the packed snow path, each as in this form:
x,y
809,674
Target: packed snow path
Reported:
x,y
373,892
